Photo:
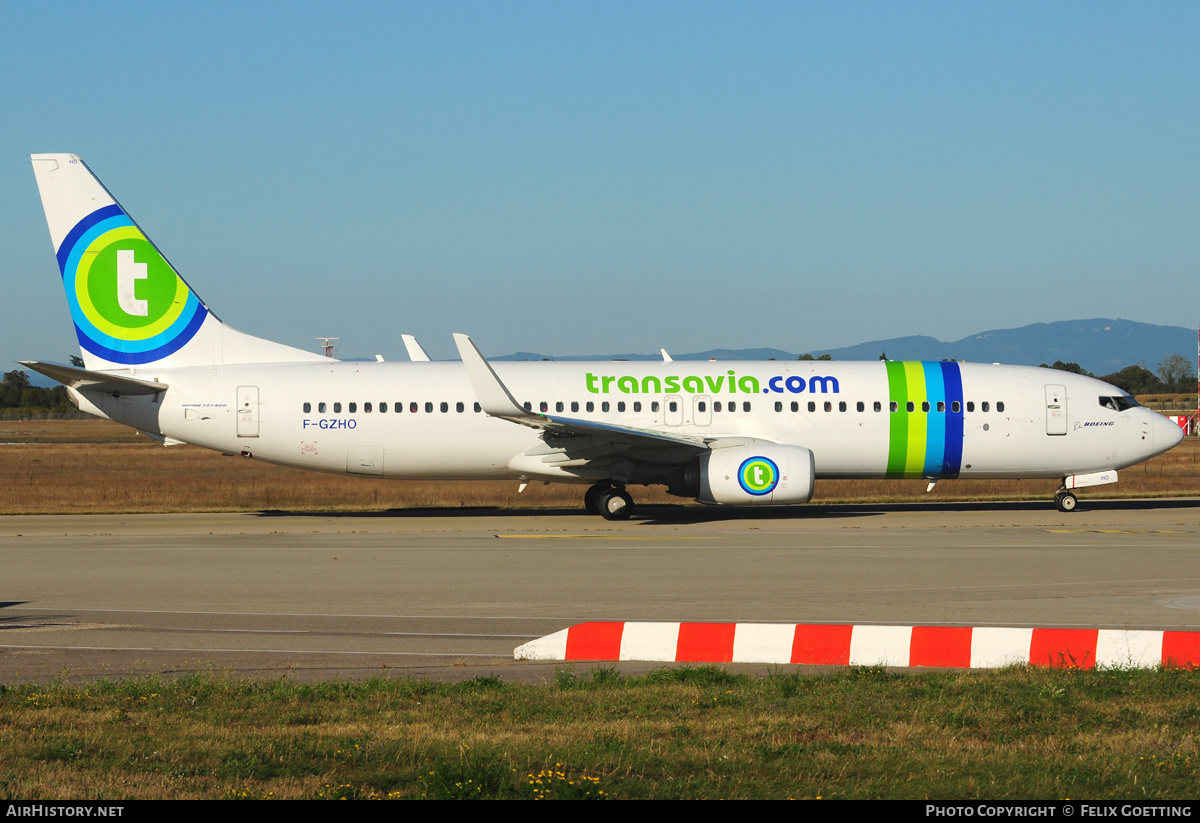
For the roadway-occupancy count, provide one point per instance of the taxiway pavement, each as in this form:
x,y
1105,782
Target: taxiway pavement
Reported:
x,y
449,594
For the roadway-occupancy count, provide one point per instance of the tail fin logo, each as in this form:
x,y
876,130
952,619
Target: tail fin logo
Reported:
x,y
128,304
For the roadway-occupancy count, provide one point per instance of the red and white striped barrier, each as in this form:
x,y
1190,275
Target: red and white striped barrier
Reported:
x,y
946,646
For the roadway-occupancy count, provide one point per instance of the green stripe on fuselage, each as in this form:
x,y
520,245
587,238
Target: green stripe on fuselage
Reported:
x,y
898,437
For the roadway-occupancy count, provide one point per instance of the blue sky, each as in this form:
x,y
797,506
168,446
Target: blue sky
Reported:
x,y
576,178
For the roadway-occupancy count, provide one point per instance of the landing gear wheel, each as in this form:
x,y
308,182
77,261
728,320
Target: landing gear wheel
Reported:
x,y
592,495
615,504
1065,501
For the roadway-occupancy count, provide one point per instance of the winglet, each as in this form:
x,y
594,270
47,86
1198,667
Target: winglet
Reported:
x,y
415,352
494,397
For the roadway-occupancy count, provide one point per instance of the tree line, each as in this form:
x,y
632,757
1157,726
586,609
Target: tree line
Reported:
x,y
16,392
1175,375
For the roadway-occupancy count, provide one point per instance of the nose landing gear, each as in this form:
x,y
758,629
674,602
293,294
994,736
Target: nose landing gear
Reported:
x,y
1065,501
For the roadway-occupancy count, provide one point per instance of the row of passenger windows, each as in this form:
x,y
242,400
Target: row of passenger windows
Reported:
x,y
413,408
673,405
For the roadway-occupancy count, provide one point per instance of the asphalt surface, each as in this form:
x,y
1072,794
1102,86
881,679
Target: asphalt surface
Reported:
x,y
449,594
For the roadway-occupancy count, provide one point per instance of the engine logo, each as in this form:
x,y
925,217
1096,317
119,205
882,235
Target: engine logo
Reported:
x,y
758,476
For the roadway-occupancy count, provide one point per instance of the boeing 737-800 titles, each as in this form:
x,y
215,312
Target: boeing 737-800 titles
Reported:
x,y
158,359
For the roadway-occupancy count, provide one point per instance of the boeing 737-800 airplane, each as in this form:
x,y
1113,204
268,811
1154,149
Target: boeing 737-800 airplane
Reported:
x,y
156,358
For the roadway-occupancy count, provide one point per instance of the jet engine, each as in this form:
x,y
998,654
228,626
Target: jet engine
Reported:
x,y
756,473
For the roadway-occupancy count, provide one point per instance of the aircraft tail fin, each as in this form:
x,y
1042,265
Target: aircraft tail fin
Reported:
x,y
129,305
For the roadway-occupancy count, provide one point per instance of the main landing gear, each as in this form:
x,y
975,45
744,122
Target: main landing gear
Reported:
x,y
609,501
1065,501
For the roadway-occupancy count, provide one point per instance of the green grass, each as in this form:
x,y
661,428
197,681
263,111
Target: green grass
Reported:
x,y
692,732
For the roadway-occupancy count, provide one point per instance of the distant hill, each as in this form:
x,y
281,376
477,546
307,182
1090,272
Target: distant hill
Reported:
x,y
719,354
1101,346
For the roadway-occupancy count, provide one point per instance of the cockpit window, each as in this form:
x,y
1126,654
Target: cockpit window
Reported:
x,y
1119,403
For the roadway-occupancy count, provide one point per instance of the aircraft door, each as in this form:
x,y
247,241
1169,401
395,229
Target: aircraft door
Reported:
x,y
673,410
1056,409
247,411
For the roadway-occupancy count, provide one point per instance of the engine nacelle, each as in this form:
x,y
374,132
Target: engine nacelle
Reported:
x,y
757,474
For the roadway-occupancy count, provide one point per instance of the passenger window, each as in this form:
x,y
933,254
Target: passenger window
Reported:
x,y
746,406
459,407
911,406
543,407
941,407
591,406
620,405
717,406
828,406
320,408
654,406
637,405
812,407
983,406
353,408
366,408
778,405
558,406
673,406
605,406
382,408
574,405
970,405
428,408
337,408
478,408
413,407
842,405
955,407
879,406
701,406
894,406
795,406
999,405
925,405
308,408
528,406
444,406
861,406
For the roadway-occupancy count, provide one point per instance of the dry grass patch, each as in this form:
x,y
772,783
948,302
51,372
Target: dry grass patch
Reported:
x,y
101,467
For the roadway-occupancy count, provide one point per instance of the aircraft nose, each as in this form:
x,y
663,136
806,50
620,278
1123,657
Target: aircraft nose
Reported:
x,y
1167,434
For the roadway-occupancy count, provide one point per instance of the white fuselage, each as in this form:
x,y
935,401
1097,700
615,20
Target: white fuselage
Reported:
x,y
419,420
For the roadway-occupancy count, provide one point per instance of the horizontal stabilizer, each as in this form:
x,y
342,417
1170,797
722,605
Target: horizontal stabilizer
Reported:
x,y
97,381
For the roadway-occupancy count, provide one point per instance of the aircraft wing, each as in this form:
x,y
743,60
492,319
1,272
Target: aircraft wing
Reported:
x,y
98,381
496,401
